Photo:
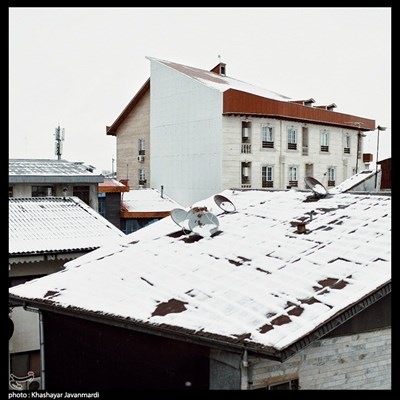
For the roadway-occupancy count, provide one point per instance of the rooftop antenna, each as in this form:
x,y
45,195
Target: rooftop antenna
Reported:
x,y
219,57
112,166
224,203
319,190
197,220
60,136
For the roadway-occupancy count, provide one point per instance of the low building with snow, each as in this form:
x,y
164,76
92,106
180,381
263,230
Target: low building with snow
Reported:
x,y
255,305
45,233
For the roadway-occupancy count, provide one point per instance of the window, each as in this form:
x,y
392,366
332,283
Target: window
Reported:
x,y
42,191
304,135
287,385
331,176
142,148
142,176
324,140
347,142
292,138
267,174
246,137
10,191
102,204
293,176
246,175
267,137
82,192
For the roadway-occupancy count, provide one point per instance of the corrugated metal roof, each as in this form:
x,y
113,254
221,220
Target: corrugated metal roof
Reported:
x,y
54,224
219,82
44,167
256,282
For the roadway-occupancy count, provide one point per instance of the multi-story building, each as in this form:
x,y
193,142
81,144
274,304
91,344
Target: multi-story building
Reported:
x,y
197,132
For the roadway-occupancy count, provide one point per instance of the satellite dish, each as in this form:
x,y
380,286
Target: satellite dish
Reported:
x,y
317,187
203,223
179,216
224,204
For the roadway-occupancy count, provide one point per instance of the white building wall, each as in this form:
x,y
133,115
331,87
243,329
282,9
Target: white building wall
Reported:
x,y
360,361
280,157
186,125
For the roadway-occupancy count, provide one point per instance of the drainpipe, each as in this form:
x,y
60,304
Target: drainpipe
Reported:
x,y
281,160
41,342
246,364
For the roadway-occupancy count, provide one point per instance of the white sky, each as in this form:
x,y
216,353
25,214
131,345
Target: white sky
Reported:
x,y
79,67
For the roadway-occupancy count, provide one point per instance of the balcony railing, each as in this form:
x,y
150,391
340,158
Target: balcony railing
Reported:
x,y
305,151
292,146
325,149
331,183
346,150
246,148
267,145
267,184
293,183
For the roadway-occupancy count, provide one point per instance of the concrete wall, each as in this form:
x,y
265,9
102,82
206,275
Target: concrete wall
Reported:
x,y
134,127
280,157
185,136
225,370
359,361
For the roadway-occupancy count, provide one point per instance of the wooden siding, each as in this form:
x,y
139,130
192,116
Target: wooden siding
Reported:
x,y
386,180
144,214
237,102
82,355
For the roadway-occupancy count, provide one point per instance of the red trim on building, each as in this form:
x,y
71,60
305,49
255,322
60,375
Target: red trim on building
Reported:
x,y
238,102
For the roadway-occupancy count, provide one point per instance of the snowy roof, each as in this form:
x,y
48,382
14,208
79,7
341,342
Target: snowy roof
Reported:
x,y
29,170
220,82
144,200
353,181
53,224
256,283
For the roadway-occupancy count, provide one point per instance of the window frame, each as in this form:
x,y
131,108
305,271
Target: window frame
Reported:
x,y
266,180
267,136
44,188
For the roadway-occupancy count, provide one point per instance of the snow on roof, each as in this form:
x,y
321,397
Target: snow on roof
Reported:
x,y
144,200
351,182
54,224
219,82
255,283
35,167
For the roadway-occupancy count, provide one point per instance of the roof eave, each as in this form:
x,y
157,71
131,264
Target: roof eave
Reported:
x,y
236,102
112,130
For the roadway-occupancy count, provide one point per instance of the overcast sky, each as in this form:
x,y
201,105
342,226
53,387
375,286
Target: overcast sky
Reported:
x,y
79,67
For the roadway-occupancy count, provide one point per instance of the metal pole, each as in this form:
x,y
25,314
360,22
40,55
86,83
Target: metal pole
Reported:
x,y
376,167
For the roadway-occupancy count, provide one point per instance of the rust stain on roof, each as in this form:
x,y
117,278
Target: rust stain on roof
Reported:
x,y
170,307
333,283
281,320
296,311
265,328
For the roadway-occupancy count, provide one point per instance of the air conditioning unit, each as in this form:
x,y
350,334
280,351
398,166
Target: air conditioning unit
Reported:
x,y
34,384
140,158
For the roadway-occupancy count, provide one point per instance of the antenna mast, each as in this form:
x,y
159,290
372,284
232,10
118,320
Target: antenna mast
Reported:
x,y
60,136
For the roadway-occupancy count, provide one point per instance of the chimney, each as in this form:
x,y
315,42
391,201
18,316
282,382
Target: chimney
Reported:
x,y
220,69
124,181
